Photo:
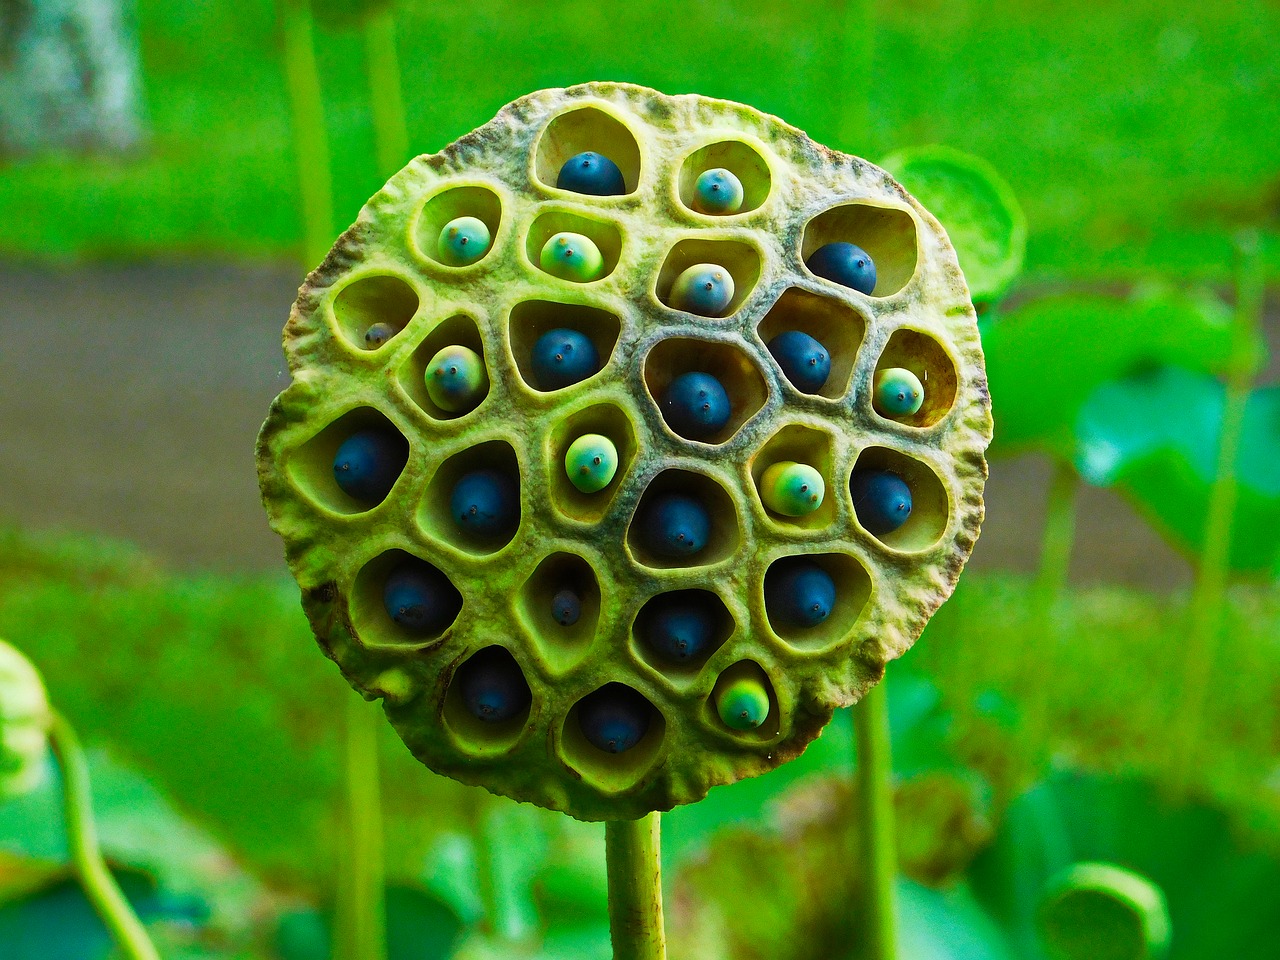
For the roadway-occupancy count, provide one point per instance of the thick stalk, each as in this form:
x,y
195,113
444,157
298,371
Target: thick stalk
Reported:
x,y
635,888
1207,598
390,132
311,146
361,907
851,100
99,886
876,823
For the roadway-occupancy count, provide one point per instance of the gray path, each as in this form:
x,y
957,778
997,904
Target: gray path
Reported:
x,y
131,397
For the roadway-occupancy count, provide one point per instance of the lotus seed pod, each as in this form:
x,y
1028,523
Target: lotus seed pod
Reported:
x,y
591,462
792,489
571,256
622,716
456,379
463,241
804,361
1091,910
743,704
705,289
897,393
24,724
881,500
377,335
592,174
717,192
846,264
566,608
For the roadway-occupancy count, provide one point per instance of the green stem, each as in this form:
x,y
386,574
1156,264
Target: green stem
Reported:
x,y
876,822
99,886
390,131
852,106
635,888
361,901
1207,598
311,145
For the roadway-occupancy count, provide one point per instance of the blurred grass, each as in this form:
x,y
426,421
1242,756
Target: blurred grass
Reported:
x,y
1135,131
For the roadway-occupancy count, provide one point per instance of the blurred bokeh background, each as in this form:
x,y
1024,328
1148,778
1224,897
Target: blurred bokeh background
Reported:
x,y
1104,686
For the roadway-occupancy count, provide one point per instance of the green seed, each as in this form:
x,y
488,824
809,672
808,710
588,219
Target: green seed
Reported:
x,y
571,256
456,379
792,489
705,289
463,241
717,192
743,704
591,462
897,393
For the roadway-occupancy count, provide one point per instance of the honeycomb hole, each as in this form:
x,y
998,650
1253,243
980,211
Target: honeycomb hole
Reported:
x,y
853,590
724,536
435,514
604,234
530,319
561,645
664,621
469,200
834,324
370,300
802,445
371,621
458,330
579,130
930,505
740,377
750,672
476,736
310,467
740,159
608,421
612,773
925,357
742,260
887,234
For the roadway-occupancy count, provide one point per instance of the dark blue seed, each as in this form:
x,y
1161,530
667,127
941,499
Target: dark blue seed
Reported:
x,y
562,358
492,686
419,598
881,499
696,406
675,525
845,264
798,593
614,718
592,174
678,626
368,463
803,359
566,607
486,504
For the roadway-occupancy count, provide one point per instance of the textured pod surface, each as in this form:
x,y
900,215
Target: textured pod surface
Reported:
x,y
798,196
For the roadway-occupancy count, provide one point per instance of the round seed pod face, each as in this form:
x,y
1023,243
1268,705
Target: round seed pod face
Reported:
x,y
798,197
24,724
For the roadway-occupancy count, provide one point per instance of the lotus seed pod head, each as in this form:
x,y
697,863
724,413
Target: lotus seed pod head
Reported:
x,y
368,463
419,598
676,525
377,335
897,393
493,687
566,607
743,704
1089,910
677,626
485,504
562,358
696,405
804,361
571,256
798,593
456,379
792,489
881,499
463,241
614,718
590,173
845,264
24,724
591,462
705,289
717,192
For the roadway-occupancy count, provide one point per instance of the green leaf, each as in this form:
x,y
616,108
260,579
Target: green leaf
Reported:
x,y
976,207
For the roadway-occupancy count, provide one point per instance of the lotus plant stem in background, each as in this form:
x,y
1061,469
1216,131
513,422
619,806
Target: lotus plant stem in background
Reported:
x,y
311,146
635,888
361,904
1208,596
390,131
99,886
854,58
874,798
